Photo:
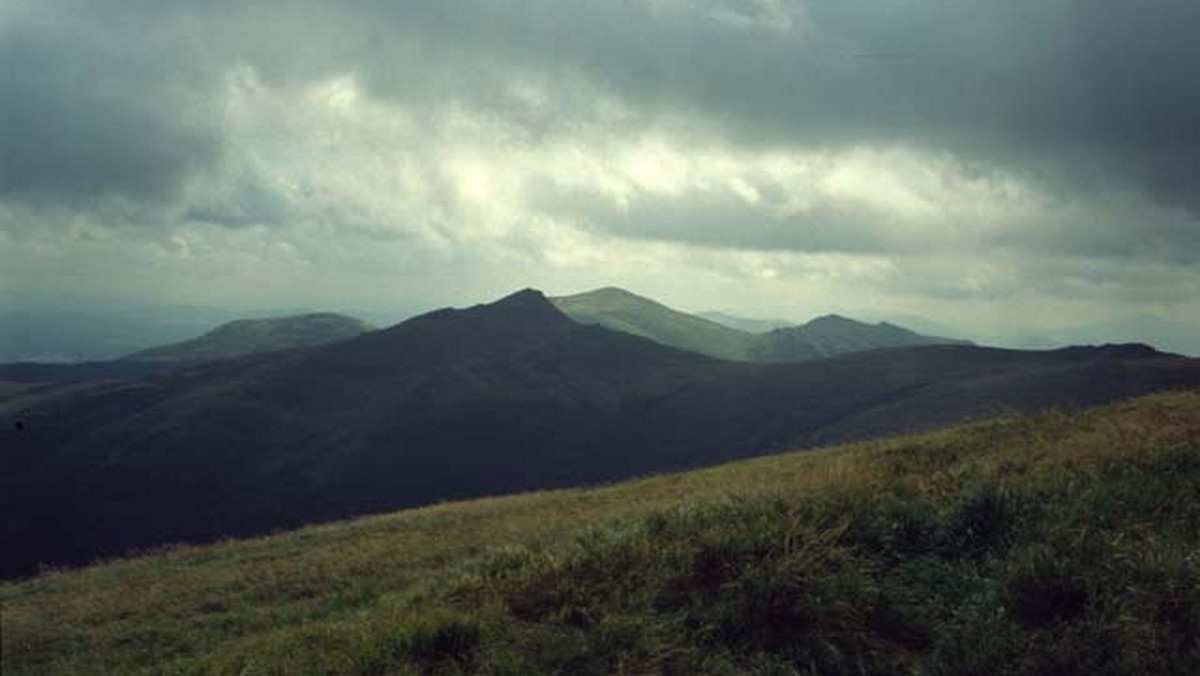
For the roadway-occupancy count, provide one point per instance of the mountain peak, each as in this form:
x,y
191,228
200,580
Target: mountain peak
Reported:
x,y
609,294
525,305
514,322
832,319
526,295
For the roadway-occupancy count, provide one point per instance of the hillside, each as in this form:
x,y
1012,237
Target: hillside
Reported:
x,y
830,335
620,310
248,336
826,336
498,398
1062,543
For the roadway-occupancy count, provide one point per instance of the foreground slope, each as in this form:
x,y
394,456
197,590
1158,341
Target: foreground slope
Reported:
x,y
826,336
1055,544
498,398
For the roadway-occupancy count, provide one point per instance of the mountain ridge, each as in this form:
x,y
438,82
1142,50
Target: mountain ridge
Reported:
x,y
823,336
496,398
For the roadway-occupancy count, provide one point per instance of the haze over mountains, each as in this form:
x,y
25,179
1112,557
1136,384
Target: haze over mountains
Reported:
x,y
496,398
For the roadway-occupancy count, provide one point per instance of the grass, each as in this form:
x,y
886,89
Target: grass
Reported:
x,y
1067,542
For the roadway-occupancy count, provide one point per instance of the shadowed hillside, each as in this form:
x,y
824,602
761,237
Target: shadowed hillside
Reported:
x,y
493,399
1062,543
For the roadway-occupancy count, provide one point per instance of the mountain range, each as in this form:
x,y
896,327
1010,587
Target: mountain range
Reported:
x,y
491,399
825,336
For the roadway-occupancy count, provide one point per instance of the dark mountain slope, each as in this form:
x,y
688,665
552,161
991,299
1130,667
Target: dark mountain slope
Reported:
x,y
248,336
36,372
459,403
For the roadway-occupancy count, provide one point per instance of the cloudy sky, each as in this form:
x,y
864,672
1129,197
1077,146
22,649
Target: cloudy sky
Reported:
x,y
986,164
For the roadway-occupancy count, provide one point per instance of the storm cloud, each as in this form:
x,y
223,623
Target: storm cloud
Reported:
x,y
921,154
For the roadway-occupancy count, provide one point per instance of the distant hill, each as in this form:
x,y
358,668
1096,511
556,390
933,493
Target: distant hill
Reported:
x,y
620,310
492,399
248,336
833,334
1062,543
826,336
1180,336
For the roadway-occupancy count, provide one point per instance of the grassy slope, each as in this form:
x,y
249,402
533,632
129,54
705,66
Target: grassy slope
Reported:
x,y
1060,543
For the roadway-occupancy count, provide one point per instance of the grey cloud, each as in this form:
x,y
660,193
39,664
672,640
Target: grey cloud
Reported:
x,y
240,202
721,219
1111,230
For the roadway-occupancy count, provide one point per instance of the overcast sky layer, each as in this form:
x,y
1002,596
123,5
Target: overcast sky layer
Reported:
x,y
993,166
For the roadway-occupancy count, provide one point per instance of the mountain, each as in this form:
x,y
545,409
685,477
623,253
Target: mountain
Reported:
x,y
56,374
1062,543
453,404
247,336
826,336
748,324
620,310
833,334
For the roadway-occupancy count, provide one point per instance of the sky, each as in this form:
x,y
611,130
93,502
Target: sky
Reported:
x,y
993,166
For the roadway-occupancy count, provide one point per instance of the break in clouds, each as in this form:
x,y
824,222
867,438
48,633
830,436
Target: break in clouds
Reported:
x,y
975,162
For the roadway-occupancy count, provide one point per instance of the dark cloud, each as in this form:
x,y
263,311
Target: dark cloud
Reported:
x,y
91,109
245,201
1107,230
